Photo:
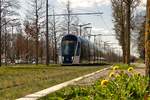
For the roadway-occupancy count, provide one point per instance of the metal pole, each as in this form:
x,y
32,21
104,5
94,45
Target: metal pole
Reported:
x,y
89,51
68,9
5,44
47,35
55,39
27,49
99,51
37,30
104,46
94,49
12,49
0,31
80,29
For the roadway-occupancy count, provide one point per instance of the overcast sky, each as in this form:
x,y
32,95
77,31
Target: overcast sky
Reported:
x,y
100,24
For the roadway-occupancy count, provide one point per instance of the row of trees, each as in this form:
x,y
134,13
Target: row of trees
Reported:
x,y
124,24
41,24
140,36
8,19
34,37
31,40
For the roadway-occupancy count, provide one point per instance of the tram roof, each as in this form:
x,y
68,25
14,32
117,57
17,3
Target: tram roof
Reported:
x,y
75,37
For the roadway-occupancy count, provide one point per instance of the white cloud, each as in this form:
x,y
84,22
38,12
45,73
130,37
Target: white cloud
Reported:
x,y
92,3
86,3
99,31
142,5
144,1
96,30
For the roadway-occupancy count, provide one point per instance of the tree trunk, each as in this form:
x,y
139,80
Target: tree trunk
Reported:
x,y
123,32
124,54
128,32
147,43
147,48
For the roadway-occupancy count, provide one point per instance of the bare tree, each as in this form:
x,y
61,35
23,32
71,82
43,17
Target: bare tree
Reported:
x,y
8,11
36,15
123,14
139,36
130,6
118,7
69,20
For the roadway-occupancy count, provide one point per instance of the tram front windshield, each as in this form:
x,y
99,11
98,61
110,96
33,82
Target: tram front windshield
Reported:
x,y
68,48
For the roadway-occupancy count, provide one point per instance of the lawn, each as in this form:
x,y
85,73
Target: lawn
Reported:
x,y
18,81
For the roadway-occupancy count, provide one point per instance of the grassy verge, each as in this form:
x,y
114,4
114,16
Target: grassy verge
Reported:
x,y
18,81
121,84
124,66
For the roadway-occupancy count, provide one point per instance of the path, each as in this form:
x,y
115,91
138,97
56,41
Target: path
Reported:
x,y
91,80
140,67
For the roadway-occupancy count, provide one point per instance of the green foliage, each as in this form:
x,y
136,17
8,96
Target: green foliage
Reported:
x,y
124,85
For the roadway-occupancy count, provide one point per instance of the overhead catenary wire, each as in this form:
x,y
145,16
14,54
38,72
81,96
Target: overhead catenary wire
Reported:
x,y
107,26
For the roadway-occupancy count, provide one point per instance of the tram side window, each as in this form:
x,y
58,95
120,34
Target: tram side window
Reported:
x,y
78,50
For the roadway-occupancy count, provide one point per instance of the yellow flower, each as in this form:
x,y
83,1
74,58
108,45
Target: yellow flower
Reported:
x,y
104,82
112,74
115,67
111,94
138,74
130,69
118,75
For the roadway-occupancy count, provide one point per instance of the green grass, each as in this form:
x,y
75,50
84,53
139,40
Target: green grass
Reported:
x,y
124,66
18,81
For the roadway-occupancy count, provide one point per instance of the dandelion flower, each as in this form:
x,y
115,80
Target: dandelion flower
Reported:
x,y
112,74
115,67
118,75
130,69
104,82
138,74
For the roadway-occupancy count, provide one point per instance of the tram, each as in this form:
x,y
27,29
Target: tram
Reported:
x,y
77,50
